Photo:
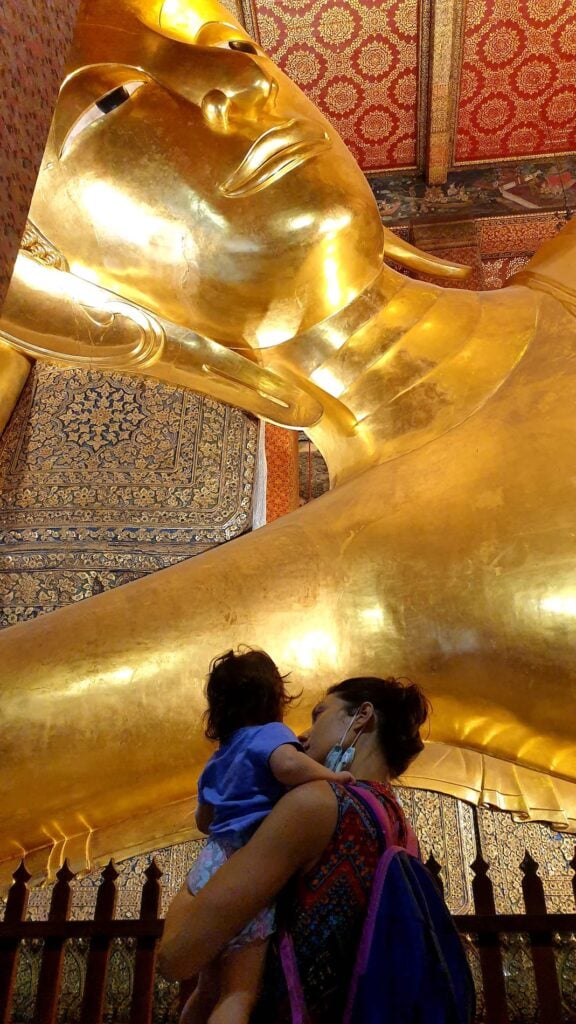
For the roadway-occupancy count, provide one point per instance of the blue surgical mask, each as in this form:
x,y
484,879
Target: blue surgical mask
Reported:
x,y
337,759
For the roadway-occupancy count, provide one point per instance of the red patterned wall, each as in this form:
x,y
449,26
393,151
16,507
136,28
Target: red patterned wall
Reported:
x,y
282,490
34,40
357,59
518,84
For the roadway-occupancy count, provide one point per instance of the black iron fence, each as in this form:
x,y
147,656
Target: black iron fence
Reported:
x,y
543,940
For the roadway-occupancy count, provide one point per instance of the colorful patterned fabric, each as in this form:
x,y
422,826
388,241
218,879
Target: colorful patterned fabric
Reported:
x,y
324,912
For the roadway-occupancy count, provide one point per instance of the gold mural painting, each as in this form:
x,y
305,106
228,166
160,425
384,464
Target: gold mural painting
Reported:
x,y
444,550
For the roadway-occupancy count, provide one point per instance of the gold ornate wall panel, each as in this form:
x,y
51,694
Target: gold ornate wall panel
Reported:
x,y
504,843
445,828
105,478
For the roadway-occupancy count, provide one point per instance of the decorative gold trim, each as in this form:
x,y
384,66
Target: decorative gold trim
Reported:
x,y
446,47
39,248
513,159
423,69
391,171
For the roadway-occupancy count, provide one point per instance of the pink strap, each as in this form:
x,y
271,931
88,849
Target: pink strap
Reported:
x,y
368,929
293,983
383,818
286,945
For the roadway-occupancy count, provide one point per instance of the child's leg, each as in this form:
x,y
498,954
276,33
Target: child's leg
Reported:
x,y
205,996
240,983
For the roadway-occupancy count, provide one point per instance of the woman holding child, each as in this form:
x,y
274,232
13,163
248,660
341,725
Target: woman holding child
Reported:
x,y
312,851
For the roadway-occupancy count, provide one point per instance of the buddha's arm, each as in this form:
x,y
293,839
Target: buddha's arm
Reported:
x,y
53,315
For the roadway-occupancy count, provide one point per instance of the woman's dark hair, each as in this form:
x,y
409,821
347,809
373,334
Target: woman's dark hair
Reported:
x,y
243,688
401,708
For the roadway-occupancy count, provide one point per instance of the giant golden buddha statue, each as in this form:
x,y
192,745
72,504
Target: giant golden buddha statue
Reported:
x,y
197,220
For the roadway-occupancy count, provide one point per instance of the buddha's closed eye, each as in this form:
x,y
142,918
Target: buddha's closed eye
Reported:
x,y
242,45
102,107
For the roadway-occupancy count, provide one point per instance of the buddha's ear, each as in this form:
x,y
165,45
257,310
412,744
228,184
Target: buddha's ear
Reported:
x,y
409,256
203,22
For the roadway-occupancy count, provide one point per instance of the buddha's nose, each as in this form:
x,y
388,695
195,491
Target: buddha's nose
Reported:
x,y
257,89
250,94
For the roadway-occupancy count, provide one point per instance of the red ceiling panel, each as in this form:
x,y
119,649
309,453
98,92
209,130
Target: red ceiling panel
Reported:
x,y
357,59
518,83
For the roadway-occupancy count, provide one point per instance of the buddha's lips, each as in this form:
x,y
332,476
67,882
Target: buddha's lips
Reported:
x,y
276,152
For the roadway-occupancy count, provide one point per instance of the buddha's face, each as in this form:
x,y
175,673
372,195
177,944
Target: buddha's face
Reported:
x,y
197,180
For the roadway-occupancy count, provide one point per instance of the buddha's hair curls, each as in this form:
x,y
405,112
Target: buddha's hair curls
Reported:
x,y
243,688
401,709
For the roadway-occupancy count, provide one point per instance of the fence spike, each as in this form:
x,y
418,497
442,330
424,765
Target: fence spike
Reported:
x,y
145,961
14,914
532,887
482,888
107,893
151,891
110,872
545,973
17,900
22,874
153,871
479,866
61,894
528,865
435,869
99,952
48,991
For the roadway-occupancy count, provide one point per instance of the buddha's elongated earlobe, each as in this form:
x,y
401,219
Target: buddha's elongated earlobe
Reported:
x,y
409,256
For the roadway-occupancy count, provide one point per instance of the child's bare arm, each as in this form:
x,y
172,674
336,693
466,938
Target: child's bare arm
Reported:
x,y
293,767
204,816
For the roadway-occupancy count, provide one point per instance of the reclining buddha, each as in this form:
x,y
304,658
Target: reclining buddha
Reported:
x,y
197,220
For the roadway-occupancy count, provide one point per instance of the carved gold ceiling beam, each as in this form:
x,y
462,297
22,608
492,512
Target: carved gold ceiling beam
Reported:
x,y
445,45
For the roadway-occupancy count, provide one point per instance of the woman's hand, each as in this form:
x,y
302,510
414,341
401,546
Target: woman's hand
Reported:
x,y
290,839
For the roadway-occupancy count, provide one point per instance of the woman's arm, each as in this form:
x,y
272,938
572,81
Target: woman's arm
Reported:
x,y
291,838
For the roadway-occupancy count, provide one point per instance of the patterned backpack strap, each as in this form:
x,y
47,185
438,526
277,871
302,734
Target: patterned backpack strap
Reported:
x,y
382,817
